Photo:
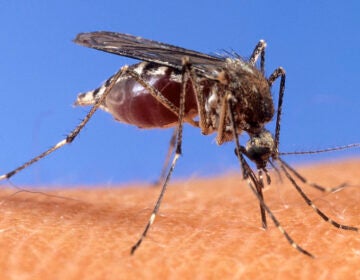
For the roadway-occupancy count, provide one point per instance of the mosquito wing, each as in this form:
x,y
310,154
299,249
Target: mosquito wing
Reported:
x,y
148,50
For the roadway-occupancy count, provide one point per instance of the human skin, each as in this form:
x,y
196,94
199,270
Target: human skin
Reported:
x,y
206,229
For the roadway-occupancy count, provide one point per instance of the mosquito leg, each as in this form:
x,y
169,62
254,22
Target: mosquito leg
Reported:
x,y
279,72
204,122
259,50
72,134
185,78
310,203
221,134
311,184
251,179
167,159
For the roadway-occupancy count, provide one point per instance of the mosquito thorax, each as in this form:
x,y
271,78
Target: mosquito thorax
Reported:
x,y
251,90
260,148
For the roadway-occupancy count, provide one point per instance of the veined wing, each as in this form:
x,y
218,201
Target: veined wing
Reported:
x,y
148,50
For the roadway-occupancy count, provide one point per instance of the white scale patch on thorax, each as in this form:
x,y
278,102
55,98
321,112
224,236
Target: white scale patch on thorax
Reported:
x,y
244,66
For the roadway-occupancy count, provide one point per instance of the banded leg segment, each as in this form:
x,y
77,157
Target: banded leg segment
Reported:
x,y
252,180
279,72
72,134
185,79
309,202
259,51
311,184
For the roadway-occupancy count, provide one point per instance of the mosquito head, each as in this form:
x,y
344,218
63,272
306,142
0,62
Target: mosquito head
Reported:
x,y
260,148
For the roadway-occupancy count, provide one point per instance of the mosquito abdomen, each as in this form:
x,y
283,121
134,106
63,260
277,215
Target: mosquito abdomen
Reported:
x,y
130,102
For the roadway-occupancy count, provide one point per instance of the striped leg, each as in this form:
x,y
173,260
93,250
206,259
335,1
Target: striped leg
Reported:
x,y
259,50
312,184
252,180
308,201
74,133
185,79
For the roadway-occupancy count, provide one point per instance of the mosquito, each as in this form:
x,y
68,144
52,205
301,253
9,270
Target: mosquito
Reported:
x,y
222,94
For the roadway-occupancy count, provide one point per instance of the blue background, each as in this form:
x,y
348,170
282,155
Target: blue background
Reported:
x,y
41,72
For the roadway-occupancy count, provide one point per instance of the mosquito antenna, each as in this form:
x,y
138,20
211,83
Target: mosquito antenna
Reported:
x,y
311,184
311,204
339,148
